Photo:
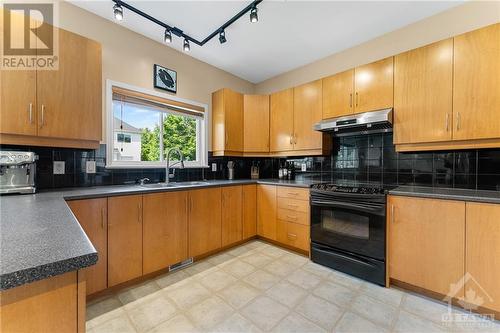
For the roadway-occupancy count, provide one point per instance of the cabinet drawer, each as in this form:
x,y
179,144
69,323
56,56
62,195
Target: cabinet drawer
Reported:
x,y
293,193
293,216
293,205
293,234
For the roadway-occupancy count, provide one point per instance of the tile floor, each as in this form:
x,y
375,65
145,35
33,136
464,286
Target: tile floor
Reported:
x,y
258,287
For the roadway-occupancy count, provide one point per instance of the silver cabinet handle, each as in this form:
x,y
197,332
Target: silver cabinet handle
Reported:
x,y
392,213
447,122
291,139
31,113
226,138
102,218
357,99
294,138
458,121
139,213
350,100
42,121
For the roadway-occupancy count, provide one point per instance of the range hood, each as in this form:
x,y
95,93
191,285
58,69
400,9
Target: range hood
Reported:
x,y
362,123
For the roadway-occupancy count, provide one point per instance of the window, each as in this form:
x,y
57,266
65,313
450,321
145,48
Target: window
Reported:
x,y
143,126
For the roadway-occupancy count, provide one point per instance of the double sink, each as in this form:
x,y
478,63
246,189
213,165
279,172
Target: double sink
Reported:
x,y
174,184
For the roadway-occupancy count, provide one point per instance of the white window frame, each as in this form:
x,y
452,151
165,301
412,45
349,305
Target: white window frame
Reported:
x,y
201,137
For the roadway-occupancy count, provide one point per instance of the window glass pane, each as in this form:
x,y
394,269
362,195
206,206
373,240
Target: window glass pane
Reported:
x,y
136,133
180,131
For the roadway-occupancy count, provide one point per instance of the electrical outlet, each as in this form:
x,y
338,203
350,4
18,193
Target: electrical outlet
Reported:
x,y
59,167
303,167
90,167
214,167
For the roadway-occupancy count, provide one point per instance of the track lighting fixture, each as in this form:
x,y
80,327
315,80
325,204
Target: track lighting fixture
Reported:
x,y
253,15
118,12
222,37
171,30
167,38
186,46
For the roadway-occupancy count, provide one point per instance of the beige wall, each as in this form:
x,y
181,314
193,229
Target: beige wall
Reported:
x,y
466,17
129,57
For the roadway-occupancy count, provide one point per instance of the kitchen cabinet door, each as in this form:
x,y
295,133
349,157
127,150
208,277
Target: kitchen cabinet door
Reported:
x,y
92,214
232,227
293,234
338,94
266,211
482,260
249,211
373,86
476,84
281,125
426,242
233,108
69,99
165,230
124,239
307,109
204,221
18,94
256,123
423,94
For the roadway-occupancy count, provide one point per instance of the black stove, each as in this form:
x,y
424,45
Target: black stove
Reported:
x,y
348,228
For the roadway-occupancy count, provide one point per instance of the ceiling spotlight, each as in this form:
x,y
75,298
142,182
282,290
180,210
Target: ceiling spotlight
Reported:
x,y
167,38
118,12
253,15
222,37
186,47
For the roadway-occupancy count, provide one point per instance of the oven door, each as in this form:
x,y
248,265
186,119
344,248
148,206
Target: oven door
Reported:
x,y
348,222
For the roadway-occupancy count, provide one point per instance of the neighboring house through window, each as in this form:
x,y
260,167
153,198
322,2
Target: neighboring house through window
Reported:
x,y
144,125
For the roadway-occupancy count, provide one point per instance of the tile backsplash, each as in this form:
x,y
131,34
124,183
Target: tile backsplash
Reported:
x,y
364,158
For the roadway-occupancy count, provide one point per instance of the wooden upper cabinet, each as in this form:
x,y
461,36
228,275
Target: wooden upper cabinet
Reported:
x,y
18,102
124,238
307,111
92,214
373,86
266,211
256,123
249,202
232,227
165,230
204,221
227,122
423,94
482,252
476,84
281,124
338,94
426,242
69,99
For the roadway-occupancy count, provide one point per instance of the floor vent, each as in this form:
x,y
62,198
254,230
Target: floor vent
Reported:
x,y
180,265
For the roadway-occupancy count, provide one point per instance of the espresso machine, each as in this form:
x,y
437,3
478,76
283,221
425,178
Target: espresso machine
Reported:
x,y
17,172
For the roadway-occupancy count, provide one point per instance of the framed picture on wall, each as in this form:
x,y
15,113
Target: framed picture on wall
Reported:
x,y
165,78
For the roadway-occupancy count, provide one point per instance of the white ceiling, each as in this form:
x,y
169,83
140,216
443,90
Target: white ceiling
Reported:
x,y
289,34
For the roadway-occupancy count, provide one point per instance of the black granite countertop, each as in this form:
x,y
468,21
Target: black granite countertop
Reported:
x,y
40,237
448,193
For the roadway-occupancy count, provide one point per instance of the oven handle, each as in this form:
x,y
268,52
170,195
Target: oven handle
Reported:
x,y
359,261
372,208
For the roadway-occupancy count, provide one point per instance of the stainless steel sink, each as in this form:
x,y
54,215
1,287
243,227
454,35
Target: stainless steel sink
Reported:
x,y
174,184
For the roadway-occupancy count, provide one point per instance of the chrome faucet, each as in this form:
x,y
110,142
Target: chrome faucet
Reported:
x,y
167,169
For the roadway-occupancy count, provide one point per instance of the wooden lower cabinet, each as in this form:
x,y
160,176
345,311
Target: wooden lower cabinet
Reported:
x,y
204,221
426,242
293,234
266,211
92,214
482,259
231,224
49,305
165,230
249,207
124,239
